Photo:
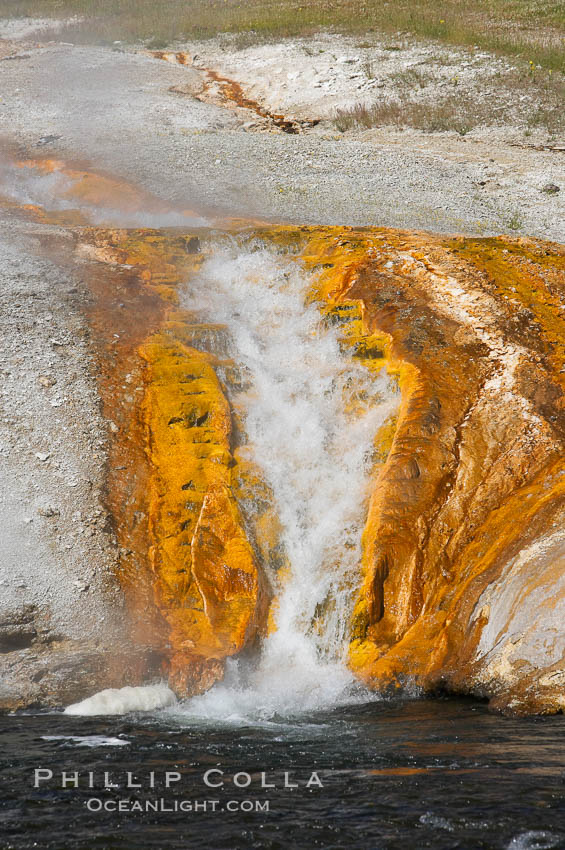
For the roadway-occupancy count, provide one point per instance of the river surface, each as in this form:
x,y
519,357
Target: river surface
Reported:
x,y
400,774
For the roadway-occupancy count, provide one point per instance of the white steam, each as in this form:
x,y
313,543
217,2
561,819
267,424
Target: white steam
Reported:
x,y
53,191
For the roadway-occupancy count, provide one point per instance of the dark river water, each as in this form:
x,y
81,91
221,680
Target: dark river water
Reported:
x,y
438,774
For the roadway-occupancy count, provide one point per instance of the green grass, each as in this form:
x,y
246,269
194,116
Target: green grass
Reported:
x,y
532,29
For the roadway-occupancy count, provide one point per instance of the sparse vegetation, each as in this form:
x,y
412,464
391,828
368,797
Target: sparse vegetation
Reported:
x,y
515,221
450,114
533,29
513,97
413,78
369,68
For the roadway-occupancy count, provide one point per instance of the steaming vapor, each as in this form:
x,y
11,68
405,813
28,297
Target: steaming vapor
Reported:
x,y
53,191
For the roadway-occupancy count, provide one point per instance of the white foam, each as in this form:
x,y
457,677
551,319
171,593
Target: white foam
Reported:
x,y
124,700
266,695
535,839
315,458
88,740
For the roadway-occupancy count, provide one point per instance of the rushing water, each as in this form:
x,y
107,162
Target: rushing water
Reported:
x,y
395,775
310,417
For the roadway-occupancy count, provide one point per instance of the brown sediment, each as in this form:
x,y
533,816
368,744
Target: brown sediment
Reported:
x,y
129,304
176,57
207,580
475,472
473,479
233,93
195,590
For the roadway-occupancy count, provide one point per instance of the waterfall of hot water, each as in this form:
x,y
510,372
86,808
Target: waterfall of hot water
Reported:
x,y
310,416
